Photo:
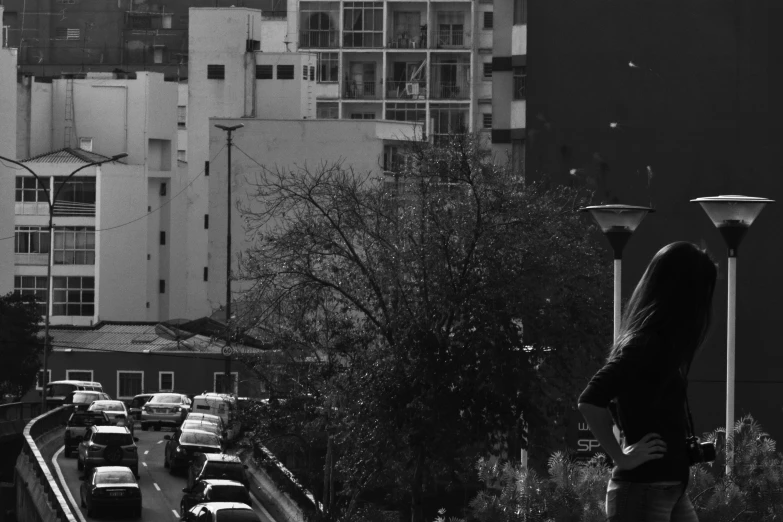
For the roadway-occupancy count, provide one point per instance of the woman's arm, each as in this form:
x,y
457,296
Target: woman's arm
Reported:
x,y
599,420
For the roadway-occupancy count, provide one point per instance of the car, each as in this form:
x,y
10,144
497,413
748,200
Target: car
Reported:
x,y
222,405
184,446
112,408
78,424
214,490
207,417
56,391
203,425
165,409
108,446
220,512
137,403
82,399
217,465
113,487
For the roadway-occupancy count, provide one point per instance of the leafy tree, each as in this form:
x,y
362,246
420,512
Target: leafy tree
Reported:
x,y
452,310
20,347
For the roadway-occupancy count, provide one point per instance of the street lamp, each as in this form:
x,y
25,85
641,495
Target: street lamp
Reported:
x,y
51,201
227,350
732,215
618,223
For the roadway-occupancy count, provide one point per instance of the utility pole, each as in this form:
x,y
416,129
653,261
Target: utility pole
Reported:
x,y
51,200
227,351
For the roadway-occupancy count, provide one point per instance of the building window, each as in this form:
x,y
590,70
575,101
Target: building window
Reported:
x,y
327,67
220,384
39,377
140,21
74,246
326,111
206,221
76,197
165,381
206,168
78,375
85,144
520,76
486,120
520,12
285,72
157,55
363,24
518,157
74,296
405,112
31,240
488,70
447,121
363,116
129,384
67,33
312,73
206,273
35,286
182,155
304,72
489,19
162,286
182,115
319,24
28,190
162,237
264,72
216,72
451,27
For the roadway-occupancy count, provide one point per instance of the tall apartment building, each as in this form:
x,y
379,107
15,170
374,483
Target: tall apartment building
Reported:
x,y
427,62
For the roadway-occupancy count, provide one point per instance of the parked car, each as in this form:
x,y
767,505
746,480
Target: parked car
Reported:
x,y
165,409
184,446
213,490
222,405
203,425
78,423
137,403
112,408
217,465
81,400
220,512
56,391
108,446
112,487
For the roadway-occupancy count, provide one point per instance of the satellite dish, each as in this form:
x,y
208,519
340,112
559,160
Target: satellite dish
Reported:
x,y
168,330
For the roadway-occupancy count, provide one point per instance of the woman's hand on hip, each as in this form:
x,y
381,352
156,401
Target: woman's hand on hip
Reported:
x,y
649,447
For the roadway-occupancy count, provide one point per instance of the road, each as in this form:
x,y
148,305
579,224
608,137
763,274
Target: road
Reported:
x,y
161,492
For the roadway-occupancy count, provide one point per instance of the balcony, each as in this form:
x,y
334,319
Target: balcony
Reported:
x,y
450,90
360,90
406,90
319,39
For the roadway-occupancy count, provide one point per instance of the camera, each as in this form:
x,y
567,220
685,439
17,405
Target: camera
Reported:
x,y
699,452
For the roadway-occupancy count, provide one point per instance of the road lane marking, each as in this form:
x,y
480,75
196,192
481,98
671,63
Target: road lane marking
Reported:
x,y
76,507
146,452
175,513
156,486
144,464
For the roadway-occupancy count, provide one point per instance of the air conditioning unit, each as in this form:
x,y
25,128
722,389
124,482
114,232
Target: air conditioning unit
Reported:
x,y
252,45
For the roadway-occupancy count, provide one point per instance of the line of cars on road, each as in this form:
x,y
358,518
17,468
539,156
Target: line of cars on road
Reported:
x,y
217,483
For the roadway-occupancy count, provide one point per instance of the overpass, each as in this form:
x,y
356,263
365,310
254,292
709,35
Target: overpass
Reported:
x,y
28,442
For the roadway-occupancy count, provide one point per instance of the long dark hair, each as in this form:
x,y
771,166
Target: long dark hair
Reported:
x,y
672,303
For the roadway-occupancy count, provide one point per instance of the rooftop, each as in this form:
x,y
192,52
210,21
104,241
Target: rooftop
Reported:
x,y
67,155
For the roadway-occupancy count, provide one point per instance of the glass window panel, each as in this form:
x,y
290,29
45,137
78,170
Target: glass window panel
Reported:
x,y
73,309
91,240
19,194
90,259
378,25
58,309
59,240
28,281
88,309
80,257
70,239
88,296
69,258
59,296
40,295
88,282
81,239
40,282
59,258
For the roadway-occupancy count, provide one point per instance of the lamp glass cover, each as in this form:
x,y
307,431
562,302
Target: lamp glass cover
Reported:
x,y
732,210
614,217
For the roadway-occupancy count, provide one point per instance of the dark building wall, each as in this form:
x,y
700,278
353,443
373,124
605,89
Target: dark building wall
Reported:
x,y
112,35
700,110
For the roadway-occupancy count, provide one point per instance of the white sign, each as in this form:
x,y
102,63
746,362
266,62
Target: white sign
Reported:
x,y
227,350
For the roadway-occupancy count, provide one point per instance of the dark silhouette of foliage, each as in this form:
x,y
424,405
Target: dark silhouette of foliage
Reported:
x,y
20,347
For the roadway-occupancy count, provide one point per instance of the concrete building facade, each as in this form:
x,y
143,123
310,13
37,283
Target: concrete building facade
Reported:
x,y
8,110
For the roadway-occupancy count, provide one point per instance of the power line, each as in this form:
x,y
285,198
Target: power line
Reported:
x,y
151,211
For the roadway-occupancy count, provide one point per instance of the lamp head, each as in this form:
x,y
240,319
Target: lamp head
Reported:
x,y
732,215
119,156
617,222
231,128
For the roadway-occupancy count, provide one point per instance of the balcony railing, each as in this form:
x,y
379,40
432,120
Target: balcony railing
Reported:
x,y
31,259
450,90
356,90
407,42
31,209
72,208
319,39
451,39
416,90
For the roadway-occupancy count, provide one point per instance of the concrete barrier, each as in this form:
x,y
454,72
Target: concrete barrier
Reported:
x,y
38,496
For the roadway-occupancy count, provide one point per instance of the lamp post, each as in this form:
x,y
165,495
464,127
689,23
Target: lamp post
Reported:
x,y
51,202
732,215
618,223
227,350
